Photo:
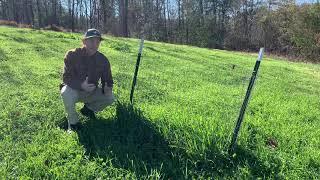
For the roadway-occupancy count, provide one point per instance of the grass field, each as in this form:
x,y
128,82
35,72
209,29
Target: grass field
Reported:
x,y
186,103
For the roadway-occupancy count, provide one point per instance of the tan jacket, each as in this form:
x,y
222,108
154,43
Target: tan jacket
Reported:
x,y
78,66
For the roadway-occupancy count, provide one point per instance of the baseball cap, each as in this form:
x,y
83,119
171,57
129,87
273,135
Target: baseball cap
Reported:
x,y
92,33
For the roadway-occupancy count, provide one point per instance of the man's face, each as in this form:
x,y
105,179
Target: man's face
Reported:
x,y
92,45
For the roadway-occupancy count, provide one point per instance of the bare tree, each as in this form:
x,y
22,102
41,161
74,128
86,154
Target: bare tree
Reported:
x,y
72,17
123,7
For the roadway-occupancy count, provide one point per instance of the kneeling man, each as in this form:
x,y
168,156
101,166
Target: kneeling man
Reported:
x,y
83,68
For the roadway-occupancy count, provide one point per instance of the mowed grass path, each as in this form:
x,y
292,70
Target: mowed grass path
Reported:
x,y
187,100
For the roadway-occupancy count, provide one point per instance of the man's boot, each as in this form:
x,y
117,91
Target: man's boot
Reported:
x,y
87,112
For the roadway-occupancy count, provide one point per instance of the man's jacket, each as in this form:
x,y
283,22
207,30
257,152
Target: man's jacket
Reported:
x,y
78,66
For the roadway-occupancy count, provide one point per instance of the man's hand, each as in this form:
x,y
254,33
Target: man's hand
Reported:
x,y
107,91
88,87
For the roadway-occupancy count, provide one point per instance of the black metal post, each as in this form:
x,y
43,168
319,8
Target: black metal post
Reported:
x,y
136,70
246,101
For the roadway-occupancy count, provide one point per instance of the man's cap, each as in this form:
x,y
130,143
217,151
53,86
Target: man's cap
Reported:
x,y
92,33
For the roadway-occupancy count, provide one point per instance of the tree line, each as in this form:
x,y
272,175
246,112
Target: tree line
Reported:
x,y
281,26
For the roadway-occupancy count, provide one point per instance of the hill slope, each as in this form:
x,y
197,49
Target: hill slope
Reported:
x,y
186,103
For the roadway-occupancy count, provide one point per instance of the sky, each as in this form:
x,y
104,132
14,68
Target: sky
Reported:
x,y
305,1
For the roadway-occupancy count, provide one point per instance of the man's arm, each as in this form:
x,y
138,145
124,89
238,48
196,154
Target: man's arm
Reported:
x,y
107,75
69,74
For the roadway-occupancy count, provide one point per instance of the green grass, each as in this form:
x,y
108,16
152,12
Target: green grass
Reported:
x,y
187,100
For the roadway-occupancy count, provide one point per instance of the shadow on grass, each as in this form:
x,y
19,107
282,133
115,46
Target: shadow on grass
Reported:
x,y
131,140
16,38
8,76
219,164
133,143
153,49
3,56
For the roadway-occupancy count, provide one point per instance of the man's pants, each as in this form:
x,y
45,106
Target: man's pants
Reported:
x,y
95,101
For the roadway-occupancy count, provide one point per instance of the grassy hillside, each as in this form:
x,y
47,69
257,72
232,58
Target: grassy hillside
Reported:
x,y
186,103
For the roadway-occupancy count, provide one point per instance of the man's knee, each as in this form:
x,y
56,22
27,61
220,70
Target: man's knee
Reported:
x,y
109,99
106,101
69,95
